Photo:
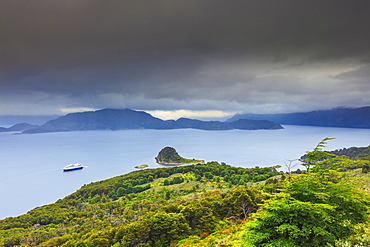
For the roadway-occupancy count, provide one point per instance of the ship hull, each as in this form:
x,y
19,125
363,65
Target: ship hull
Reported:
x,y
72,169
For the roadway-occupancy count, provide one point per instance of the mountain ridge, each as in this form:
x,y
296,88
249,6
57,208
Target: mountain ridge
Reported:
x,y
119,119
337,117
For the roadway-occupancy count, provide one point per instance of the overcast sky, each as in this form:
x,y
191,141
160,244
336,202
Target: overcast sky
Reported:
x,y
189,57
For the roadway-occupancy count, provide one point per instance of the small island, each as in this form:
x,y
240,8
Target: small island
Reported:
x,y
141,166
169,156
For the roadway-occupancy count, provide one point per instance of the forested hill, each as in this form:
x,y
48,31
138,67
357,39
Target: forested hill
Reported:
x,y
339,117
169,156
118,119
354,152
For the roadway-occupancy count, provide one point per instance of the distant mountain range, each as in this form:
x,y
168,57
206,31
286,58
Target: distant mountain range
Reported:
x,y
19,127
9,120
338,117
119,119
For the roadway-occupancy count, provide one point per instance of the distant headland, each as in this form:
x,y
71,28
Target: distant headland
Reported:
x,y
169,156
338,117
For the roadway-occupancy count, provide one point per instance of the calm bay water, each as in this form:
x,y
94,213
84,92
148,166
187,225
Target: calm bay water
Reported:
x,y
31,165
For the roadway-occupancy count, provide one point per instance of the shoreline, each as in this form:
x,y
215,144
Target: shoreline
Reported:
x,y
179,164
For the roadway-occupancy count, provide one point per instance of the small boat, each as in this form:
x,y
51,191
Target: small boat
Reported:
x,y
72,167
141,166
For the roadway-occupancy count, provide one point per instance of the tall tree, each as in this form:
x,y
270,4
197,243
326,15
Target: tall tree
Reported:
x,y
313,209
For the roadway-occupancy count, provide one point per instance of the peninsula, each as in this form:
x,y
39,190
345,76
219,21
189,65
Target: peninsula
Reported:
x,y
169,156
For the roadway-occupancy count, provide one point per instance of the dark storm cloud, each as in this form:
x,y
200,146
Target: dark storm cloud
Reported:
x,y
153,53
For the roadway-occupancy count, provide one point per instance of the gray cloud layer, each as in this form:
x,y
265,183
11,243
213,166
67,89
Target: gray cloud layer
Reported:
x,y
236,55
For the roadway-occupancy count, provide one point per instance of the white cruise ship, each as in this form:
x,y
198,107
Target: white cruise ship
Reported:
x,y
72,167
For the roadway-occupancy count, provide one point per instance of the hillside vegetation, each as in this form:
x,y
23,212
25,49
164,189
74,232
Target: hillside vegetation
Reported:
x,y
354,152
126,210
207,205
